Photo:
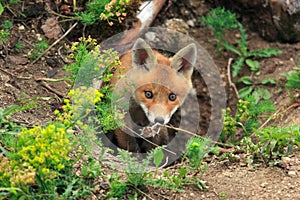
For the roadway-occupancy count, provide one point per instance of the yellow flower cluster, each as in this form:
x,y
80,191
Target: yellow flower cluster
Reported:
x,y
83,102
44,149
41,151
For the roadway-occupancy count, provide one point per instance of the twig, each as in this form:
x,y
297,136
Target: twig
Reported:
x,y
134,132
142,192
53,44
12,75
229,78
62,57
295,105
58,93
195,135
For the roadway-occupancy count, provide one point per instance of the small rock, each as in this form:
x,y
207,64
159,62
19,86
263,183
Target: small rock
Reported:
x,y
292,173
286,159
263,185
39,37
191,23
21,27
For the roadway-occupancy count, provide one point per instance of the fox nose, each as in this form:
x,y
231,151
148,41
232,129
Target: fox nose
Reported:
x,y
159,120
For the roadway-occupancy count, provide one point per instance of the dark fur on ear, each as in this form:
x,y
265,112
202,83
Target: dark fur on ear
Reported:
x,y
184,60
142,55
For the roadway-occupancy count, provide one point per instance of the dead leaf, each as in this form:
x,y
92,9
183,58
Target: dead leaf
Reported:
x,y
51,28
18,60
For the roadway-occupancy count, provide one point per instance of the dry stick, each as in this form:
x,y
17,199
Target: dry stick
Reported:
x,y
295,105
58,93
229,78
143,192
195,135
12,75
54,43
134,132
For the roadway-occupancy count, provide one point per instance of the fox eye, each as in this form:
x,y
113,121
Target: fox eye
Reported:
x,y
148,94
172,97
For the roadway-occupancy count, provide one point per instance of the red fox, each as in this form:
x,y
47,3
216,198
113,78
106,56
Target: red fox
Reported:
x,y
158,86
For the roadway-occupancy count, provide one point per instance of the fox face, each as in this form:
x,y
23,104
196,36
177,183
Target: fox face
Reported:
x,y
157,83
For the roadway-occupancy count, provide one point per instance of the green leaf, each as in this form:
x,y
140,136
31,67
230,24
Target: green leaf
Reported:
x,y
264,52
245,91
158,157
243,42
260,93
237,66
231,48
293,80
1,9
253,64
268,81
246,80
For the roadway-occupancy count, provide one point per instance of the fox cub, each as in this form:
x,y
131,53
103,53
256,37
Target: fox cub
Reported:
x,y
157,86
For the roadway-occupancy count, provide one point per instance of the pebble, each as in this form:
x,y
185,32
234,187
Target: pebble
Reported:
x,y
191,23
21,28
292,173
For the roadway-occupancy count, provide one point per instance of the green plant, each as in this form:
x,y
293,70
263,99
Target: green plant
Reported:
x,y
91,63
92,168
271,144
254,88
39,47
107,10
222,196
5,31
221,21
246,118
245,56
4,4
117,188
19,45
293,78
197,149
37,162
79,52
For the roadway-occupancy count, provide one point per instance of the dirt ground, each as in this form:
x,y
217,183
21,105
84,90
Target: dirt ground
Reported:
x,y
21,79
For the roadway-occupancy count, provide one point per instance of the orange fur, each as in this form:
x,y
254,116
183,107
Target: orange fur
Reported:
x,y
167,79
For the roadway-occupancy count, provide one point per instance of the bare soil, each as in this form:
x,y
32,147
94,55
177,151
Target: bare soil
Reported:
x,y
21,79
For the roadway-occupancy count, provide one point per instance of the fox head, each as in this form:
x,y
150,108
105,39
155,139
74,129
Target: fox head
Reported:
x,y
161,84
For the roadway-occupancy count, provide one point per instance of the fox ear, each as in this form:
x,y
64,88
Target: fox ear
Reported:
x,y
142,55
184,60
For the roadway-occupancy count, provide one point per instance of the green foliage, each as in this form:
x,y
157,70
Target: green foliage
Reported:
x,y
254,88
79,52
91,63
104,10
36,163
197,149
246,57
272,144
92,169
39,48
118,188
293,79
221,21
5,4
5,31
136,172
246,118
